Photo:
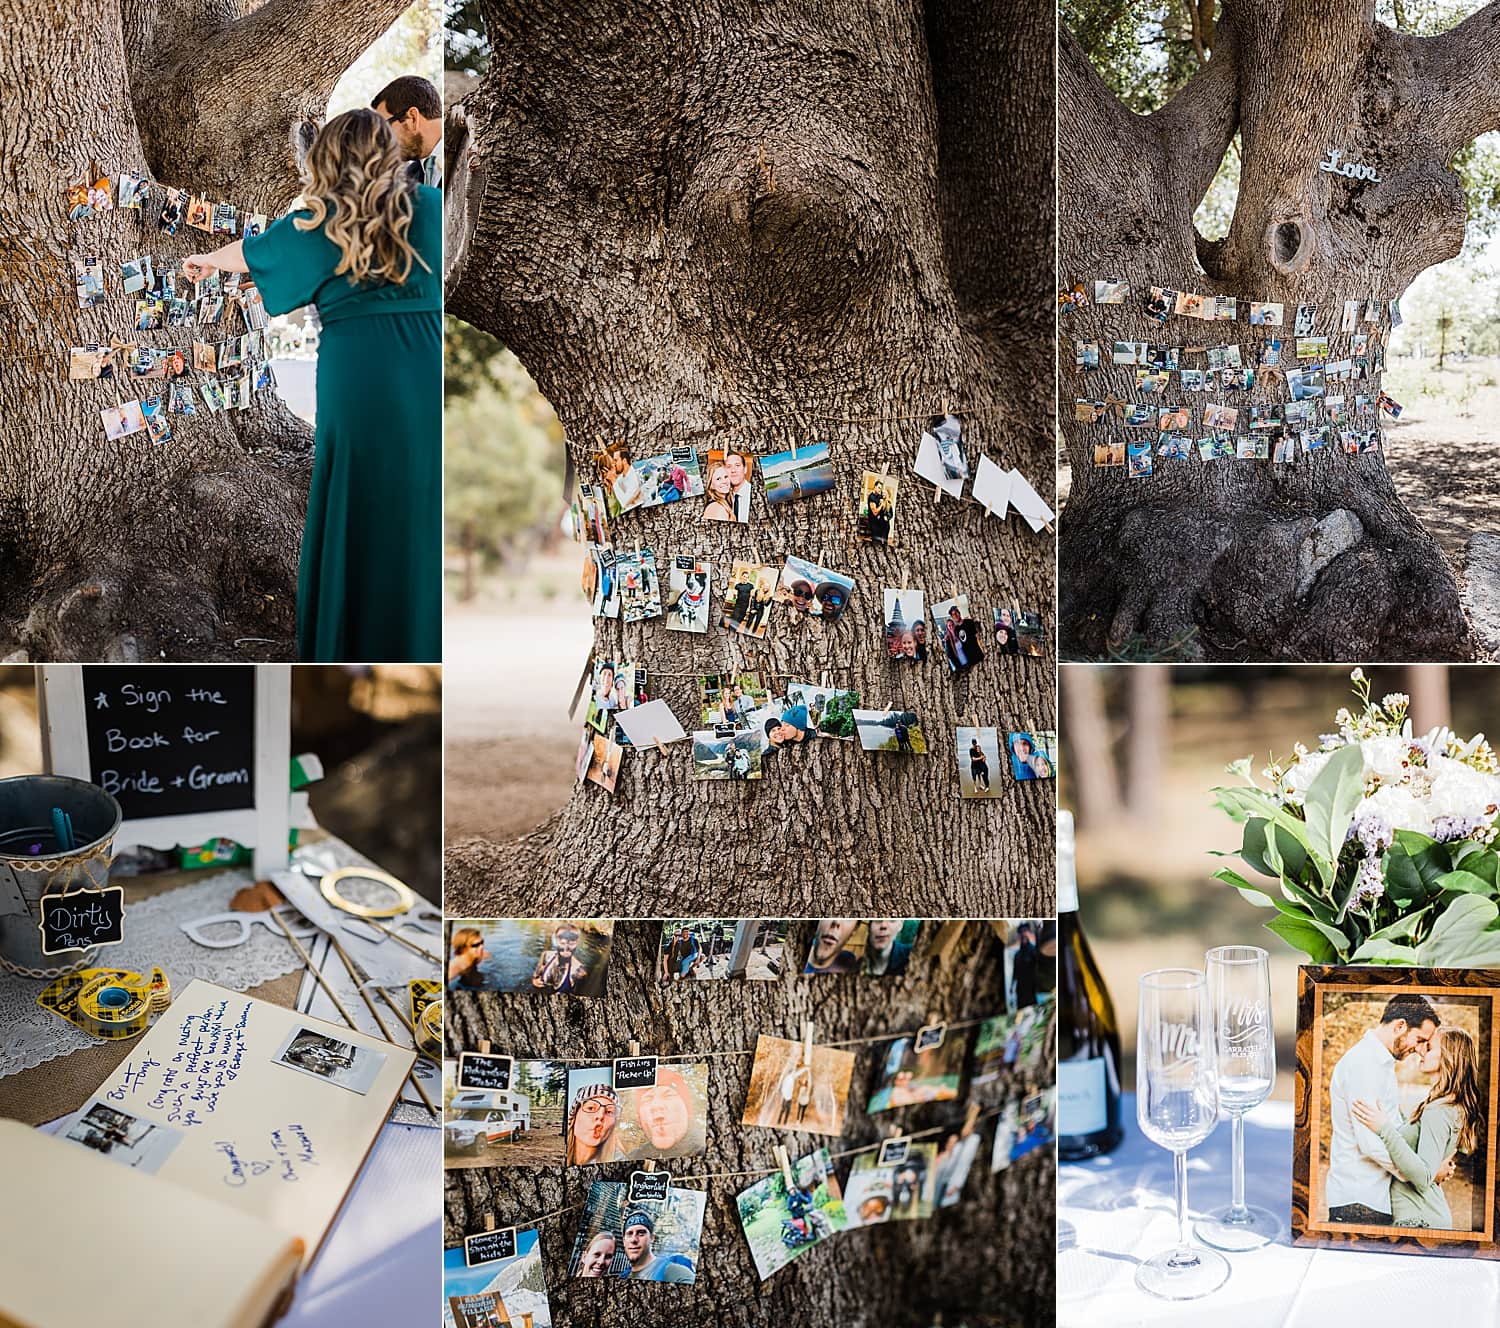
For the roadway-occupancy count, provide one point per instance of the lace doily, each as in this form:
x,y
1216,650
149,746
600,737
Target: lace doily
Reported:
x,y
34,1036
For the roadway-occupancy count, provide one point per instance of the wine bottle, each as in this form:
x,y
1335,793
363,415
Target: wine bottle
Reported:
x,y
1088,1039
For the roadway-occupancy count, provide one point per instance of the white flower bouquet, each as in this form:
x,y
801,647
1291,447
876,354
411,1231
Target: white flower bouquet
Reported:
x,y
1377,845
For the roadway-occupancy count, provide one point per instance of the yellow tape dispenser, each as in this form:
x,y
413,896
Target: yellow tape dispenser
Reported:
x,y
109,1003
424,996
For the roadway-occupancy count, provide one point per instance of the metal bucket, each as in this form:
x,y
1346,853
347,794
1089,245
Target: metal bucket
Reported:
x,y
31,857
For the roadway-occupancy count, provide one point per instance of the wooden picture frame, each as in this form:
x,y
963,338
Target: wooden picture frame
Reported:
x,y
265,828
1322,990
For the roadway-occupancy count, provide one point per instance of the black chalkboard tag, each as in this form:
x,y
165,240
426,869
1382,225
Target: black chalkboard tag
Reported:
x,y
488,1246
635,1072
893,1151
81,919
649,1186
478,1070
930,1037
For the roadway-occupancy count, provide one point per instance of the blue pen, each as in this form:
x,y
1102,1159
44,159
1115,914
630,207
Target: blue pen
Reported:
x,y
60,830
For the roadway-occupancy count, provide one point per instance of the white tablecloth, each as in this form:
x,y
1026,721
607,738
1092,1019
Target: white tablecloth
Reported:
x,y
1123,1212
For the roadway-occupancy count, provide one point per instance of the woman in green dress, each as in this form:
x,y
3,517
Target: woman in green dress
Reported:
x,y
364,246
1449,1120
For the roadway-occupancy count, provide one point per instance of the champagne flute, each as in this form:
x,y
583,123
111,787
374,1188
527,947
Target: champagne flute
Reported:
x,y
1177,1106
1239,989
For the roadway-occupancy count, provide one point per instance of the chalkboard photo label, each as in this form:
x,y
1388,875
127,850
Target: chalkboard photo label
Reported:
x,y
166,740
478,1070
82,918
489,1246
893,1151
649,1186
635,1072
930,1037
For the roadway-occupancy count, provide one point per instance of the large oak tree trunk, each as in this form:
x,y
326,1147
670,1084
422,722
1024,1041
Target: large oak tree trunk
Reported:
x,y
1222,560
720,225
132,549
987,1261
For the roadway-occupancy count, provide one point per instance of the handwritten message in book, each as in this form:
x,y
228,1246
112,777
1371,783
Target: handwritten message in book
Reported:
x,y
248,1103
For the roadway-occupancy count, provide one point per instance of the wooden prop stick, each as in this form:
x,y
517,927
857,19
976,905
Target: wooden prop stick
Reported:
x,y
385,1032
314,970
410,945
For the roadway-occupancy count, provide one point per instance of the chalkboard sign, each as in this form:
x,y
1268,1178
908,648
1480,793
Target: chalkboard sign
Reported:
x,y
893,1151
190,752
635,1072
82,918
488,1246
478,1070
649,1186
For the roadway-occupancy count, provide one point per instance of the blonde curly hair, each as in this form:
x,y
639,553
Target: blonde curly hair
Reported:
x,y
355,179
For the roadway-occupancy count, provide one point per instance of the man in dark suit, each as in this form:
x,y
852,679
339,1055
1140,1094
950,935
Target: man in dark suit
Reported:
x,y
414,111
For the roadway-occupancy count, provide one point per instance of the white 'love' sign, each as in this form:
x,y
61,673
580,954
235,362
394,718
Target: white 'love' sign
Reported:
x,y
1353,169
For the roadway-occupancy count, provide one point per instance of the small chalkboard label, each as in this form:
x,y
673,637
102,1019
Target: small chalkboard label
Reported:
x,y
478,1070
649,1186
893,1151
488,1246
82,918
168,740
635,1072
930,1037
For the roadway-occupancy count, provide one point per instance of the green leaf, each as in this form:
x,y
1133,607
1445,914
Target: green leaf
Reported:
x,y
1459,938
1331,799
1254,803
1414,841
1308,936
1403,882
1481,861
1383,952
1401,927
1465,882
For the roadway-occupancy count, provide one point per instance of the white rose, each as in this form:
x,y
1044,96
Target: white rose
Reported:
x,y
1401,810
1295,782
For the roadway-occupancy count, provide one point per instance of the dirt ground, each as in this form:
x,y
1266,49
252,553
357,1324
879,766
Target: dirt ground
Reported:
x,y
509,758
543,1147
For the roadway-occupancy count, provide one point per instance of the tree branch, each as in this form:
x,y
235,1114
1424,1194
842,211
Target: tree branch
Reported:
x,y
1461,73
1198,124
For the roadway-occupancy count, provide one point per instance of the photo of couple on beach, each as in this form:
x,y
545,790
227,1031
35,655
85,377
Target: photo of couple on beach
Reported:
x,y
1404,1124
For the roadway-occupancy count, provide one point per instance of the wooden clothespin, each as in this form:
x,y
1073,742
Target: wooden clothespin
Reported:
x,y
807,1041
489,1218
971,1119
484,1046
660,745
633,1048
784,1161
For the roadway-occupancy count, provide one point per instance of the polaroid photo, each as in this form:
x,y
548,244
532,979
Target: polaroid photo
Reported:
x,y
689,581
908,1077
136,274
1029,756
649,724
205,357
605,758
802,472
1252,447
1349,441
611,688
1086,355
1270,353
1265,417
1312,348
830,710
213,394
1306,384
1086,411
726,753
1110,454
703,949
978,754
255,224
1370,440
621,482
1129,353
905,625
590,514
1173,419
1194,380
563,955
200,214
1306,316
520,1125
1337,409
173,210
1395,311
225,219
150,314
1111,292
1225,308
875,518
668,1119
180,399
1072,297
747,600
955,1160
727,486
931,465
904,1191
958,632
791,1089
1035,1124
816,591
154,412
782,1222
640,588
729,698
1140,417
890,731
86,363
1221,419
1159,302
123,420
1350,319
1138,460
121,1137
504,1291
1206,448
1284,452
1238,380
1011,1043
669,477
1189,304
1301,412
1151,381
88,282
210,309
1314,440
1372,311
1174,447
1265,315
657,1241
131,191
1339,371
327,1058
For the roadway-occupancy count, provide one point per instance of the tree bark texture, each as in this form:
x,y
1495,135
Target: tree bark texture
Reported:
x,y
987,1261
727,225
132,549
1210,552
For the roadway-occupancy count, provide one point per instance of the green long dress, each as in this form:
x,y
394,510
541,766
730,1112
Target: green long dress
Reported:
x,y
369,585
